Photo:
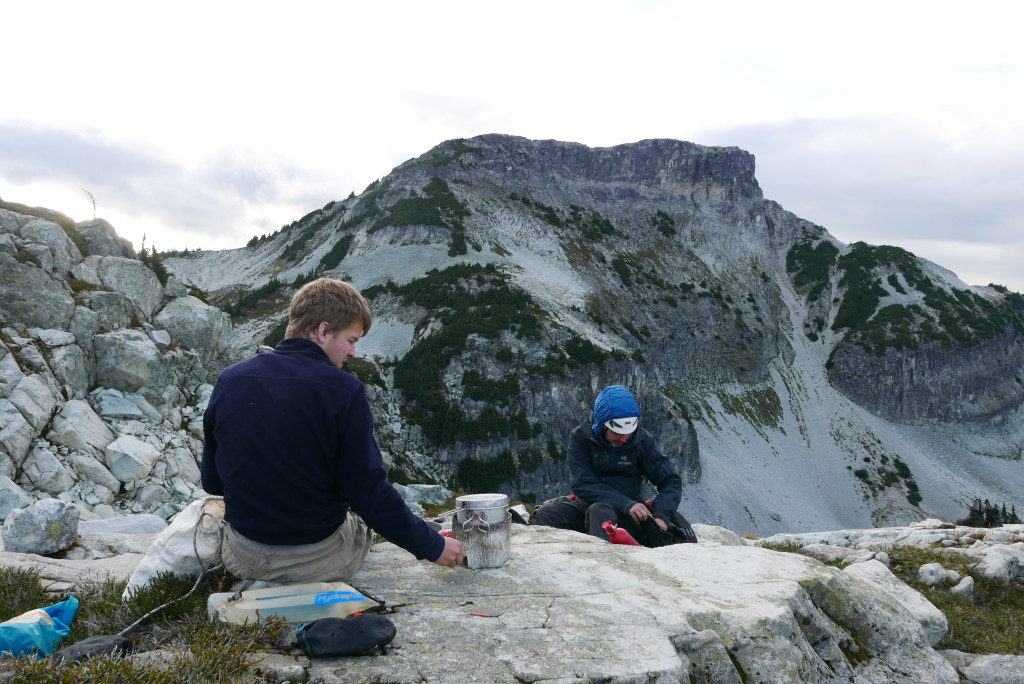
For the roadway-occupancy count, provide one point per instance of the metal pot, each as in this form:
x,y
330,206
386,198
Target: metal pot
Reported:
x,y
481,510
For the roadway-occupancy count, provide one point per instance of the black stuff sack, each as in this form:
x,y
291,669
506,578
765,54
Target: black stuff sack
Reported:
x,y
113,646
345,636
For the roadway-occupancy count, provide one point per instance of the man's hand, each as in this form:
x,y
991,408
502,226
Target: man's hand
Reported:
x,y
662,525
639,512
453,553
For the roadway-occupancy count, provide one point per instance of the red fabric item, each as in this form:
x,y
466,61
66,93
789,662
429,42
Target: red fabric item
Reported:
x,y
617,535
445,533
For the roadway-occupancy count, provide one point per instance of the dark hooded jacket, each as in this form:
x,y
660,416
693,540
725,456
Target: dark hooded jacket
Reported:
x,y
614,475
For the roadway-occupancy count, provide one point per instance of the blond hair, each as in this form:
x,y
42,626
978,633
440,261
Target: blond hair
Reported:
x,y
326,300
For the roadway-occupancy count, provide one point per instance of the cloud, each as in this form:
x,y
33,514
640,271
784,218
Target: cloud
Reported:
x,y
225,195
876,177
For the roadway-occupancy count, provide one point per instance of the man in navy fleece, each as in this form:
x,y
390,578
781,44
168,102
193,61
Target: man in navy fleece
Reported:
x,y
289,444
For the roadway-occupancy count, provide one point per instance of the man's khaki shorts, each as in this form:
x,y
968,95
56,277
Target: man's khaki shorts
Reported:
x,y
334,559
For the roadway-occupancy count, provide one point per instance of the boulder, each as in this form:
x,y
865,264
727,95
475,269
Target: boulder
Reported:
x,y
71,369
47,526
35,402
12,496
933,573
7,245
579,609
84,324
964,588
1003,561
113,404
129,361
994,669
102,240
77,426
91,470
15,436
129,458
63,251
198,326
10,373
44,471
130,277
114,310
175,288
931,619
32,296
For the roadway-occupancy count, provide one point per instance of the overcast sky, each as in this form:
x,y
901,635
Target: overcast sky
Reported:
x,y
201,124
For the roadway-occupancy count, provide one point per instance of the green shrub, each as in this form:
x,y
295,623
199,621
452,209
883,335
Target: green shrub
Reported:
x,y
664,223
478,475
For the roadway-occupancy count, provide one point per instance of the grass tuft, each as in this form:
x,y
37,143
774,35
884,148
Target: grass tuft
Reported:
x,y
193,647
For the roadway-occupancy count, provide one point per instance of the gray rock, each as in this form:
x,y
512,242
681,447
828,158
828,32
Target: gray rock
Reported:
x,y
15,435
130,277
965,587
129,458
63,252
434,495
709,533
71,369
77,426
931,619
7,245
102,240
91,470
32,296
828,553
175,288
39,255
12,496
143,523
933,573
84,324
35,402
114,310
707,610
112,404
52,338
994,669
10,373
161,338
198,326
151,497
129,361
65,575
44,471
1005,562
47,526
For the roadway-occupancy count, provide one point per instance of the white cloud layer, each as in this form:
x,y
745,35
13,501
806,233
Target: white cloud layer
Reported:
x,y
202,124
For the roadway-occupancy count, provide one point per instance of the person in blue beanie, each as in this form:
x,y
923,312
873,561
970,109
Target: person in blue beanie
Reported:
x,y
288,443
610,455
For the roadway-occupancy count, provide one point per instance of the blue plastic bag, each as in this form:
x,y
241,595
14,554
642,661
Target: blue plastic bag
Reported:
x,y
38,631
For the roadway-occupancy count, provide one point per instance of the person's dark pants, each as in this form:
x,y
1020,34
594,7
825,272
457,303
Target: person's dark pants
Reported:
x,y
579,517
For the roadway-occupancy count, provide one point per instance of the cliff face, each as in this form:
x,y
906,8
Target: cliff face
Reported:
x,y
512,279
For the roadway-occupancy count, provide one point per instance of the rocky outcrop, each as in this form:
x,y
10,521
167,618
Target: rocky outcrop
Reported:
x,y
95,400
103,240
572,608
